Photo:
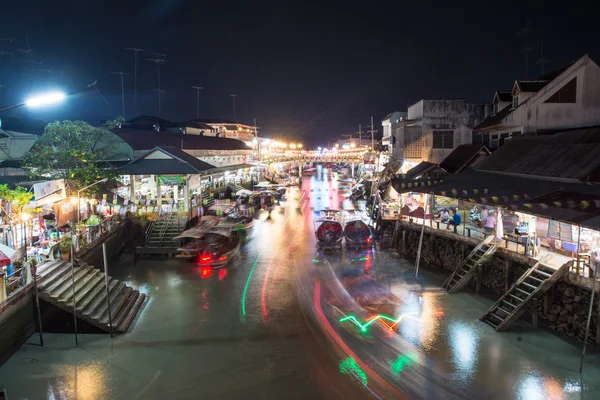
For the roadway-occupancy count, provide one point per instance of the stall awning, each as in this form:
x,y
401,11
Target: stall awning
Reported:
x,y
572,202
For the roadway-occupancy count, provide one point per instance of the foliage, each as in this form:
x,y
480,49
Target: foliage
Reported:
x,y
19,198
65,244
74,151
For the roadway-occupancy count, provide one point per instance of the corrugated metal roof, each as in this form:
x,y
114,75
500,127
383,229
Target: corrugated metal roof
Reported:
x,y
420,169
573,154
515,193
462,156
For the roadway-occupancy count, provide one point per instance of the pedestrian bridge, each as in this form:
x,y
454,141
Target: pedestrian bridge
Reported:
x,y
321,158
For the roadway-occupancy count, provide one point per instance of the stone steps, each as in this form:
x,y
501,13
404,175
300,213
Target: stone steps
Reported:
x,y
56,287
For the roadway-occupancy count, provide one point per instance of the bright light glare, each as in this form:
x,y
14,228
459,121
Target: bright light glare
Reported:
x,y
51,98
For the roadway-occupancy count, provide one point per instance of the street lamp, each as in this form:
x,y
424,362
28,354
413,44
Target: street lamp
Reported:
x,y
79,201
46,99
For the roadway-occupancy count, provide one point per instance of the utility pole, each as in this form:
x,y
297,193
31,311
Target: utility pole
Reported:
x,y
158,59
373,132
136,50
359,135
542,60
198,89
122,90
527,32
233,97
29,54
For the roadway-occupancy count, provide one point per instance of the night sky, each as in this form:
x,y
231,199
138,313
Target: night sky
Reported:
x,y
305,71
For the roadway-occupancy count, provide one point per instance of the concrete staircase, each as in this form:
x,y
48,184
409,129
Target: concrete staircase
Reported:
x,y
463,274
531,285
160,239
55,285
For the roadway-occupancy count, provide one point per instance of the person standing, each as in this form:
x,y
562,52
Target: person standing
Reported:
x,y
489,224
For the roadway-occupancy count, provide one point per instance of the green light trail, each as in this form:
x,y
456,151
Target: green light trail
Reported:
x,y
402,361
246,286
380,317
349,366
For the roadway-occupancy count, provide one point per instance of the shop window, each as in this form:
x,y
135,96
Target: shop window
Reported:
x,y
516,134
566,94
503,137
443,139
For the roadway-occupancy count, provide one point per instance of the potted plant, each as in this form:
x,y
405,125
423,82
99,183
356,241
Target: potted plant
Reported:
x,y
65,247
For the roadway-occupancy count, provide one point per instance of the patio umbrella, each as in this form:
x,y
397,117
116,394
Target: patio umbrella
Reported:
x,y
499,225
6,255
243,192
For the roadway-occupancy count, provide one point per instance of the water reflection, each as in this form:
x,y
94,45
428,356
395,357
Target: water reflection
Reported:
x,y
80,382
464,342
531,388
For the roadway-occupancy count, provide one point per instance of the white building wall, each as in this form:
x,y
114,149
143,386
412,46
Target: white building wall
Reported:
x,y
14,145
536,115
416,110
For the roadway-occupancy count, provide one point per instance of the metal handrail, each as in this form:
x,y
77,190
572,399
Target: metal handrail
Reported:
x,y
150,226
164,228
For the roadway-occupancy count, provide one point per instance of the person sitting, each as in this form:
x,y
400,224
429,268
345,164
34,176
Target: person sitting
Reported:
x,y
444,216
456,220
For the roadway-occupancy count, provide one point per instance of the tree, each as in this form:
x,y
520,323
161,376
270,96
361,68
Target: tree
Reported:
x,y
74,151
18,199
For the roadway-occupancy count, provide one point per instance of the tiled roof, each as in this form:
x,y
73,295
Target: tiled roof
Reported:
x,y
532,86
140,139
179,163
493,119
504,95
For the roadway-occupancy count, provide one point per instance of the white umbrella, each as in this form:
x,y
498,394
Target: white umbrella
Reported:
x,y
7,251
499,225
243,192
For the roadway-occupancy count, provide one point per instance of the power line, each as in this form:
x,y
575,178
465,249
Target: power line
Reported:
x,y
1,93
122,89
136,50
158,59
198,89
29,54
93,86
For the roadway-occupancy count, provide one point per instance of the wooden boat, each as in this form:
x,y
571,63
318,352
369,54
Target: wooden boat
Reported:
x,y
222,246
329,231
358,234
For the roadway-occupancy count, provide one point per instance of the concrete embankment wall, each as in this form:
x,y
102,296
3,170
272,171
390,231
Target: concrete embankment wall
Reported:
x,y
565,306
116,241
17,321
